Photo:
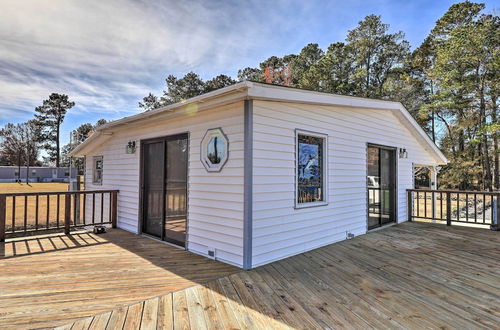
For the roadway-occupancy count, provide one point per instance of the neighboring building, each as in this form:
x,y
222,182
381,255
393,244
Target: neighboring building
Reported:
x,y
254,173
36,174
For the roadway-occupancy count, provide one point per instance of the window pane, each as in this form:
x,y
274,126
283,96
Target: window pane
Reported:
x,y
216,150
310,169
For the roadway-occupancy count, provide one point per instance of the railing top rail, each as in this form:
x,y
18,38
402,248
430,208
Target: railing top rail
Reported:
x,y
44,193
456,191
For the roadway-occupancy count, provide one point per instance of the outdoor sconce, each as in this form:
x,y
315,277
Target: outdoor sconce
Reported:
x,y
130,149
403,153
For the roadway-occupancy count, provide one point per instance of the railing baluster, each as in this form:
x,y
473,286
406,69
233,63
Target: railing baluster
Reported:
x,y
433,213
75,200
492,207
67,213
48,211
475,208
36,212
440,206
102,208
84,207
13,214
109,207
467,207
484,208
418,204
114,217
93,208
458,207
3,216
58,209
448,209
425,204
408,206
25,213
498,213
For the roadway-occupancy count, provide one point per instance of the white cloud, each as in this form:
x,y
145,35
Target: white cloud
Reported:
x,y
108,54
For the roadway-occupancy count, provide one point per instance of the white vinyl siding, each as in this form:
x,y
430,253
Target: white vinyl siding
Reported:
x,y
215,200
279,229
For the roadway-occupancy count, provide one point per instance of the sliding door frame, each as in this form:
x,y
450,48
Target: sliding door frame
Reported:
x,y
396,174
142,210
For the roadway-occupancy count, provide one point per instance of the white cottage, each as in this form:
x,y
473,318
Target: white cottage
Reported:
x,y
254,173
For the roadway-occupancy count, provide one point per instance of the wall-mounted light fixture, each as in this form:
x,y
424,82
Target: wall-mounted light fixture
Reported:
x,y
130,148
403,153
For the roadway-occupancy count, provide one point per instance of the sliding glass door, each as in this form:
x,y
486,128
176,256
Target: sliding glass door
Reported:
x,y
164,188
176,190
381,185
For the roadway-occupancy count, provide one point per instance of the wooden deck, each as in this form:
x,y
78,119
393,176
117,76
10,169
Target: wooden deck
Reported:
x,y
56,279
412,275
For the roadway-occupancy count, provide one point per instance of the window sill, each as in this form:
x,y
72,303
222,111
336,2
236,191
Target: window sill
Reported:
x,y
308,205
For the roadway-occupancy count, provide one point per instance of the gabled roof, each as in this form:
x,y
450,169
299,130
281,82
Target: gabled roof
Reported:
x,y
260,91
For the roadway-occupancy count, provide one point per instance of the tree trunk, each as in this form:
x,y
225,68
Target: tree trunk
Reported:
x,y
484,142
367,75
57,142
496,170
433,126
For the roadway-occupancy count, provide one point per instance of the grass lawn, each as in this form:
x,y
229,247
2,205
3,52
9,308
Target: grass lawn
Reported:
x,y
32,187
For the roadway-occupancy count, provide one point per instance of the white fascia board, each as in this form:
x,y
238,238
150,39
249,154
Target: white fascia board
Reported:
x,y
294,95
97,138
440,157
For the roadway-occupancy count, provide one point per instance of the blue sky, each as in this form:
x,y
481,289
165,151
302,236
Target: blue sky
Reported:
x,y
108,54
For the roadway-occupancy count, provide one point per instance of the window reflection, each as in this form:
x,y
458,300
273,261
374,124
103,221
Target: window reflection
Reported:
x,y
310,174
216,150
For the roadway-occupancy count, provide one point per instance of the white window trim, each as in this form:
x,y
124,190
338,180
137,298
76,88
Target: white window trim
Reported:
x,y
203,149
325,169
94,159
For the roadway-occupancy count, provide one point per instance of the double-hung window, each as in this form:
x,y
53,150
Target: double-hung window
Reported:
x,y
311,169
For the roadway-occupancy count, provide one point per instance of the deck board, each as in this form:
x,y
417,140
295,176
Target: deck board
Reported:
x,y
412,275
53,279
406,276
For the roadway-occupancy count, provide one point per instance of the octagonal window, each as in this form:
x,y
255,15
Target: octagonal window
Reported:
x,y
214,150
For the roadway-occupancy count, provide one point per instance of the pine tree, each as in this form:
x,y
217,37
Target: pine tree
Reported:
x,y
50,115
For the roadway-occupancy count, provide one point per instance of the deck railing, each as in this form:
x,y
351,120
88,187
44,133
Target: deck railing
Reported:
x,y
24,213
454,207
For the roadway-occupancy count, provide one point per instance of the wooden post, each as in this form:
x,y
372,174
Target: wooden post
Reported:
x,y
114,206
496,208
67,213
498,211
448,208
3,207
409,205
433,194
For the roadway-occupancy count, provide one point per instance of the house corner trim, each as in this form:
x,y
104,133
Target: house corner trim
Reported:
x,y
248,185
